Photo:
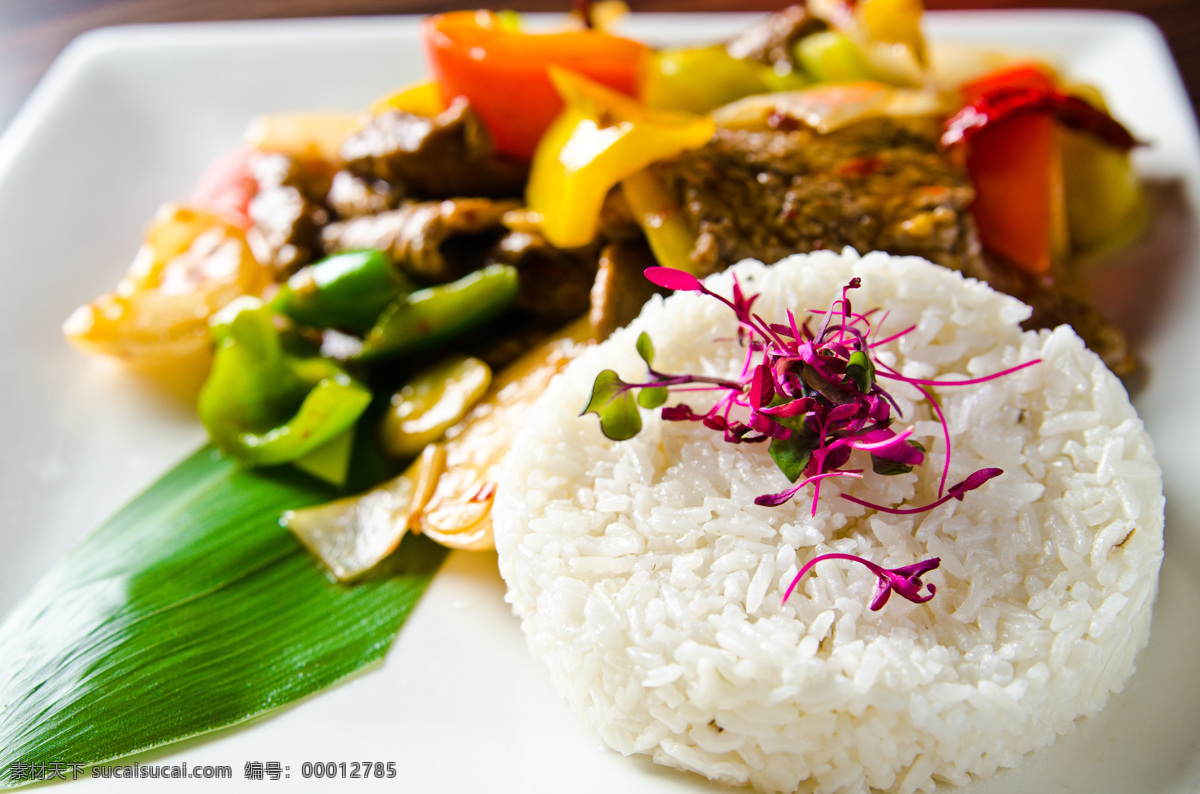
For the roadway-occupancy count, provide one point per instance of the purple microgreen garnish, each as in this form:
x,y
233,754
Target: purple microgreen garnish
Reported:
x,y
905,580
890,373
958,491
814,395
670,278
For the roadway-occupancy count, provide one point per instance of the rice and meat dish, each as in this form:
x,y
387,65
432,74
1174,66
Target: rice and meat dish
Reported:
x,y
359,278
651,584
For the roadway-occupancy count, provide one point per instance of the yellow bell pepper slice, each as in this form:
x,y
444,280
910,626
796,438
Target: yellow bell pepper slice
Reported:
x,y
894,22
420,99
887,32
306,135
600,138
657,212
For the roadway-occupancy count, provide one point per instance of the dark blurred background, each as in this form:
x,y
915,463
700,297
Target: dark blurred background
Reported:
x,y
33,32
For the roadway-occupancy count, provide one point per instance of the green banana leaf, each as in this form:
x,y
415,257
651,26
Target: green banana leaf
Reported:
x,y
189,610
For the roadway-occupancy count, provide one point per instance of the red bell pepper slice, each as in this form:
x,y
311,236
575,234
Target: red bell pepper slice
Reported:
x,y
1007,127
227,186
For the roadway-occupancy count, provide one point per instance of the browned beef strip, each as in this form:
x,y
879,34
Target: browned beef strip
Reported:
x,y
616,218
443,157
351,195
554,282
770,40
434,241
620,288
880,184
288,210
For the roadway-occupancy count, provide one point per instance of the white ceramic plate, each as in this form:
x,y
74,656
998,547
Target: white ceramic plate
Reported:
x,y
128,117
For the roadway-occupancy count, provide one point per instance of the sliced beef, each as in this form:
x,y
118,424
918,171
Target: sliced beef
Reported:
x,y
443,157
620,289
288,210
555,283
351,195
770,40
880,184
436,241
616,218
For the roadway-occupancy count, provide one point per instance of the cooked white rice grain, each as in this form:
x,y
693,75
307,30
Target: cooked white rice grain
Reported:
x,y
651,585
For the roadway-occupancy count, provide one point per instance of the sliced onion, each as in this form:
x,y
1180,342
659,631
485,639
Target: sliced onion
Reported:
x,y
828,107
352,535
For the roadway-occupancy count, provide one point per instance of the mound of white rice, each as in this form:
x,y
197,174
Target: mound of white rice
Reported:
x,y
650,584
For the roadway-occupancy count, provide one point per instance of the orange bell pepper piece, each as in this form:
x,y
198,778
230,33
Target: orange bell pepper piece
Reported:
x,y
503,72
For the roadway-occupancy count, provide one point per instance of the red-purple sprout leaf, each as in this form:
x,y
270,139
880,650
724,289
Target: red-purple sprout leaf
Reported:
x,y
845,411
898,457
776,499
612,400
767,426
889,466
973,481
680,413
789,410
957,491
670,278
762,387
905,580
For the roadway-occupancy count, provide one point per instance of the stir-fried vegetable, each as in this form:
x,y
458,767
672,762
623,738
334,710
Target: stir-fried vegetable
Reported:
x,y
436,314
887,33
421,99
701,79
354,534
311,135
504,71
433,402
601,138
447,493
271,398
831,57
1019,132
1050,174
191,264
345,291
658,215
459,514
1105,203
830,107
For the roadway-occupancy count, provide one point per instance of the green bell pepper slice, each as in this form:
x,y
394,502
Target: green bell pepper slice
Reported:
x,y
437,314
831,57
270,398
701,79
346,291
